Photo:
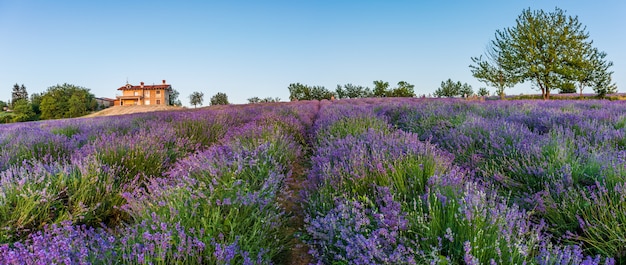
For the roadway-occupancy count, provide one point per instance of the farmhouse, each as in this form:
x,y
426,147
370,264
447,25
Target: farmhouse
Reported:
x,y
144,94
104,103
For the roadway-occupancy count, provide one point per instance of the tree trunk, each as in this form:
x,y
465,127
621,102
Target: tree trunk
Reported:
x,y
581,90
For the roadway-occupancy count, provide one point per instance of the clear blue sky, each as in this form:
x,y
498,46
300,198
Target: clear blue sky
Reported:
x,y
257,48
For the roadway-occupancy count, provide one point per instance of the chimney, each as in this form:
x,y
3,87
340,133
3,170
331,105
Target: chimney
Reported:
x,y
164,81
141,84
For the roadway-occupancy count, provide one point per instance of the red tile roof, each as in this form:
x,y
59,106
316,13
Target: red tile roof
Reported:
x,y
145,87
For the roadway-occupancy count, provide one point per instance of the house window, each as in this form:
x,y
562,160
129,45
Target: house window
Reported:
x,y
136,93
148,102
158,102
147,94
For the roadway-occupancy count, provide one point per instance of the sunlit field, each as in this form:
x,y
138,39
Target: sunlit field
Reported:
x,y
357,181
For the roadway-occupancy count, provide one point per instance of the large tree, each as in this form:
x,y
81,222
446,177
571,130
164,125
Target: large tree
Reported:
x,y
299,91
548,49
196,98
219,99
66,101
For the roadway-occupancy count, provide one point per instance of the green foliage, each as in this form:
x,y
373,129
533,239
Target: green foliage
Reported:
x,y
404,89
3,105
196,98
35,100
23,111
199,132
380,88
441,220
173,100
67,131
299,91
491,72
217,201
594,216
219,99
254,100
354,127
18,93
451,89
567,87
352,91
548,49
483,92
86,195
6,117
66,101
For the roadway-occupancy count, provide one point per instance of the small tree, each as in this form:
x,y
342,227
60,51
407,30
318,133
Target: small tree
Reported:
x,y
173,100
219,99
196,98
448,89
3,105
352,91
466,90
381,89
299,91
404,89
254,100
483,92
491,72
19,92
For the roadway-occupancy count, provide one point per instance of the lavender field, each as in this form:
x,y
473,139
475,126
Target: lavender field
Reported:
x,y
362,181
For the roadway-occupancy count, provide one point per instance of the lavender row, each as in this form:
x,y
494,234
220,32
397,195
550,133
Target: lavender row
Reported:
x,y
166,190
378,195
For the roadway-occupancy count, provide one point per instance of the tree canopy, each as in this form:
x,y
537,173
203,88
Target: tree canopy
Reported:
x,y
196,98
451,89
483,92
299,91
353,91
173,100
19,92
66,101
549,49
23,111
219,99
380,88
254,100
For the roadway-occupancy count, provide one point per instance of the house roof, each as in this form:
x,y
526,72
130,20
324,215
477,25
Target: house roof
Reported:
x,y
146,87
106,99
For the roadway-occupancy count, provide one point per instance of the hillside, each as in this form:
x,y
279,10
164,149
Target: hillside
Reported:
x,y
121,110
